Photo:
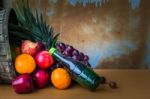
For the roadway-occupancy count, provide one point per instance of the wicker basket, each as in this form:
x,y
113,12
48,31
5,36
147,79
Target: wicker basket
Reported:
x,y
7,71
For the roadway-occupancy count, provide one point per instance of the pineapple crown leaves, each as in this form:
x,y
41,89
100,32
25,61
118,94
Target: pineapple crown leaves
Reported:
x,y
32,26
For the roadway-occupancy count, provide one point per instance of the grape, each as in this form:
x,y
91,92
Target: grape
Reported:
x,y
75,52
62,45
86,58
67,45
66,53
86,63
103,80
59,49
69,49
81,56
112,85
75,57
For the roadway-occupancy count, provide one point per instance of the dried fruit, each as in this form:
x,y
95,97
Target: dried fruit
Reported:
x,y
112,84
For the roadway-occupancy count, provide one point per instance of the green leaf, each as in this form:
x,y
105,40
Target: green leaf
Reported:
x,y
31,26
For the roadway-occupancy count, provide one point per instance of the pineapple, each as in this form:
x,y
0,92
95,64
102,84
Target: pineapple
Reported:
x,y
31,27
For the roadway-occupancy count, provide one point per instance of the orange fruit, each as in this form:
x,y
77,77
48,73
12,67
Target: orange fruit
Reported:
x,y
25,64
60,78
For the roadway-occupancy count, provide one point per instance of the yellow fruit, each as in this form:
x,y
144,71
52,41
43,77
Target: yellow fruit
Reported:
x,y
60,78
25,64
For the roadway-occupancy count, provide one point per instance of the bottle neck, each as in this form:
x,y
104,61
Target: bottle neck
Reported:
x,y
57,55
52,50
62,59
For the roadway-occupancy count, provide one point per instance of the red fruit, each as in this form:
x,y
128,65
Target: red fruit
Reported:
x,y
44,60
23,84
40,78
29,47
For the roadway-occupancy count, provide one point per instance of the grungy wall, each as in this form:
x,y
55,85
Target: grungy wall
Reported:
x,y
114,33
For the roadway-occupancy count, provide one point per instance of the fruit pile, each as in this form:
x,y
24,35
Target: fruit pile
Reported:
x,y
36,67
30,39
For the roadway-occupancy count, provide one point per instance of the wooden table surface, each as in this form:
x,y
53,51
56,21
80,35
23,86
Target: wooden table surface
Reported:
x,y
133,84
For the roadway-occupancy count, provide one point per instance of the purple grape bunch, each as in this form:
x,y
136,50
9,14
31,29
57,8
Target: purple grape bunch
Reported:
x,y
73,53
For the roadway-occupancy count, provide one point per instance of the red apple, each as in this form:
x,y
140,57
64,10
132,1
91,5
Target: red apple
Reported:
x,y
44,59
23,84
32,48
40,78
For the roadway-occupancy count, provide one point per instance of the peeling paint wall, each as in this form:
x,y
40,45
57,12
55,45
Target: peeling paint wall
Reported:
x,y
114,33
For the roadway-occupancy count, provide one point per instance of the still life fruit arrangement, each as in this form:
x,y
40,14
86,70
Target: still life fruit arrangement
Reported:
x,y
36,68
41,60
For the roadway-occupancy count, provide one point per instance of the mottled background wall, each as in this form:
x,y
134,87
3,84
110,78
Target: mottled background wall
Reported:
x,y
114,33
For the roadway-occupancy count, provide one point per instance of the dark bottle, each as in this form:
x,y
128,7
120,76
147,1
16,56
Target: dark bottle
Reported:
x,y
81,73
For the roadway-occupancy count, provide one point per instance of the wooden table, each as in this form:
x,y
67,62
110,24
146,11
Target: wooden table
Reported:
x,y
133,84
